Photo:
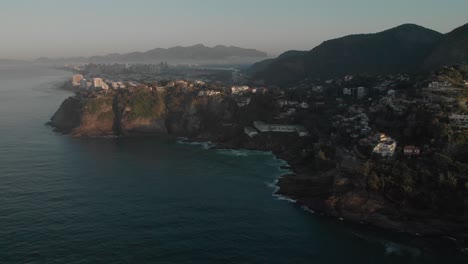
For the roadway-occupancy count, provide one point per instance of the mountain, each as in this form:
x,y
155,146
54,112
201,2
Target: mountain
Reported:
x,y
400,49
194,53
452,49
262,65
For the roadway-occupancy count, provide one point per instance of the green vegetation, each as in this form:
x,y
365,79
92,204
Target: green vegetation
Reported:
x,y
93,106
106,116
145,104
433,183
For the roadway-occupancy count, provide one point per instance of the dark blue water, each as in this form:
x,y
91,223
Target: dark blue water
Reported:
x,y
66,200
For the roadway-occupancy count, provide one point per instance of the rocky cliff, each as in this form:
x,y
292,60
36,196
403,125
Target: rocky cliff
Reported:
x,y
124,113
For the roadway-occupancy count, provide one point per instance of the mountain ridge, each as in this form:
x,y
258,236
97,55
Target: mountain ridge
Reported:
x,y
198,52
402,49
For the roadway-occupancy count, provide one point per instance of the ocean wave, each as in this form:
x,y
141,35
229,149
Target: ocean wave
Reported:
x,y
391,248
280,197
307,209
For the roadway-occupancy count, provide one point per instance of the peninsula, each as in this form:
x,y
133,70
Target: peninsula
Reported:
x,y
389,150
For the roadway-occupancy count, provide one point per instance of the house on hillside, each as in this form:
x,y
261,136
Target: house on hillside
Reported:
x,y
459,121
386,145
278,128
411,151
250,131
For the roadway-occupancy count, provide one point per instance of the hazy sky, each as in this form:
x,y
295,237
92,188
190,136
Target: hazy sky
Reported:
x,y
34,28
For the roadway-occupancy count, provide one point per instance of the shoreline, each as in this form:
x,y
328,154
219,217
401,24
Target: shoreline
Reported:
x,y
427,241
311,190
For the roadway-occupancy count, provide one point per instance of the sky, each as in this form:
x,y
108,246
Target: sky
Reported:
x,y
64,28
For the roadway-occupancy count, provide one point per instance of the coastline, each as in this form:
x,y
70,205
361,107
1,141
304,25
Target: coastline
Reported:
x,y
319,207
311,190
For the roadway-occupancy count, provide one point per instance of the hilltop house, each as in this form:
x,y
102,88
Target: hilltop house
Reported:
x,y
208,93
76,79
386,146
239,89
411,151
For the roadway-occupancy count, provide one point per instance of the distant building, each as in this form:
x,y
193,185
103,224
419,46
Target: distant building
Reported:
x,y
440,85
243,101
304,105
104,86
239,89
361,92
97,82
83,84
250,131
385,149
284,102
411,151
208,93
459,121
76,79
317,89
347,91
263,127
386,145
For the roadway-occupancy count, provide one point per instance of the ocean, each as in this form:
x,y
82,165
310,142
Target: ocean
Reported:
x,y
155,200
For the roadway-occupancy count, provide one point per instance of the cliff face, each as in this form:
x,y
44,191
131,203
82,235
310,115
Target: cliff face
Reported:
x,y
68,117
140,113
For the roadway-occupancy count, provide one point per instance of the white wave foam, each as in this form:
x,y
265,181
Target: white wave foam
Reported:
x,y
284,198
307,209
204,145
392,248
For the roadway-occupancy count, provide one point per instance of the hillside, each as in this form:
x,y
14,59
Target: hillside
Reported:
x,y
453,49
192,53
400,49
262,65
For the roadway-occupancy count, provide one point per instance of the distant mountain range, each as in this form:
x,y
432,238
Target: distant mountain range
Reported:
x,y
403,49
196,53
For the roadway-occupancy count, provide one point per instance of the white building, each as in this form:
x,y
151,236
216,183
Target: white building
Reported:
x,y
208,93
459,121
97,82
284,102
347,91
263,127
250,131
386,145
386,149
76,79
104,86
239,89
317,89
361,92
440,85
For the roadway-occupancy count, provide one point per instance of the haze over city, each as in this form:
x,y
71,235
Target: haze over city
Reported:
x,y
58,28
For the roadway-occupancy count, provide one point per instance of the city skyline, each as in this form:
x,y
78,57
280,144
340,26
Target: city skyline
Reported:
x,y
53,28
